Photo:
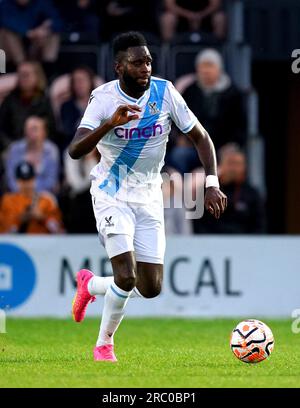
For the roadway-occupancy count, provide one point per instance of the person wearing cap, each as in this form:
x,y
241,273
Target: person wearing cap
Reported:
x,y
29,211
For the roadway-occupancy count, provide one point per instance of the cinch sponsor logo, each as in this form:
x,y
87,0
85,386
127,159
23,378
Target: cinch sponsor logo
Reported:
x,y
138,133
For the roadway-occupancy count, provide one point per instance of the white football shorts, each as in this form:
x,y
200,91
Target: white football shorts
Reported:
x,y
125,226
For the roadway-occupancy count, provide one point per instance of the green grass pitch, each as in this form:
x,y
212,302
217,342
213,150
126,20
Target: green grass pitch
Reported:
x,y
151,353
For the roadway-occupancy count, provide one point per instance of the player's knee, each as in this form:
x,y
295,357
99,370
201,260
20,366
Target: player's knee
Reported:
x,y
124,272
153,291
126,279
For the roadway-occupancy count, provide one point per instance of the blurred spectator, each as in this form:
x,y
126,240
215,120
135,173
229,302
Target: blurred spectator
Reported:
x,y
29,29
193,16
80,217
216,102
29,211
174,210
82,84
8,82
37,150
126,15
245,212
218,105
28,98
80,22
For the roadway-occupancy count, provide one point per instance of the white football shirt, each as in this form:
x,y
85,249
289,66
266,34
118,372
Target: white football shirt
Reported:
x,y
132,155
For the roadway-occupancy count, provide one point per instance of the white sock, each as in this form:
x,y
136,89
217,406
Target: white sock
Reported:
x,y
98,285
115,301
136,293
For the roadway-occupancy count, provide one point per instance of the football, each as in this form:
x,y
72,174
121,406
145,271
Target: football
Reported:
x,y
252,341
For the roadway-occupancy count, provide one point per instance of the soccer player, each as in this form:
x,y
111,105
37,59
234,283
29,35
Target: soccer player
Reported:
x,y
129,120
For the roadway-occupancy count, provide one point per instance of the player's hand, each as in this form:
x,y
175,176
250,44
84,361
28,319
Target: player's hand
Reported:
x,y
124,114
215,201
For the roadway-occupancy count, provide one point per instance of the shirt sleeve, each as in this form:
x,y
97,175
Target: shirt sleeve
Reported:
x,y
94,113
180,113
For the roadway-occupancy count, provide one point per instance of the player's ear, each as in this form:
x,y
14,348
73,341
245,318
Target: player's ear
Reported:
x,y
118,65
119,68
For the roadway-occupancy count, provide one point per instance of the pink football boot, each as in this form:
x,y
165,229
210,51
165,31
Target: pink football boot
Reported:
x,y
105,353
82,297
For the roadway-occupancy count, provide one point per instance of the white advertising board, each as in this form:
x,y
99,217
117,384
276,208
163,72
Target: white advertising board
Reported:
x,y
203,276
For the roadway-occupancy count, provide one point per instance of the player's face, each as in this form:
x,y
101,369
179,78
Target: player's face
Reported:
x,y
136,68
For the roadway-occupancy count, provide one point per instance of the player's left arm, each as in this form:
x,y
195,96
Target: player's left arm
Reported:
x,y
215,201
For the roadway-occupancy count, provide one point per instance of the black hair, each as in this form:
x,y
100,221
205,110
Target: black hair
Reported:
x,y
126,40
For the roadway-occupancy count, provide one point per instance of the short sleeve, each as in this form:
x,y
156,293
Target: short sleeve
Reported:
x,y
93,115
180,113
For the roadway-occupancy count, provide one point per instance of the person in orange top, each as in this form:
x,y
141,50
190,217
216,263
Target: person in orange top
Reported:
x,y
28,211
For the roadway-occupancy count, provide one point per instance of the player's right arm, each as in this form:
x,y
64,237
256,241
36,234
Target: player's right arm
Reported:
x,y
85,140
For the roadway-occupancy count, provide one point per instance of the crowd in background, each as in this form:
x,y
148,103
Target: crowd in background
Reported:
x,y
42,189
